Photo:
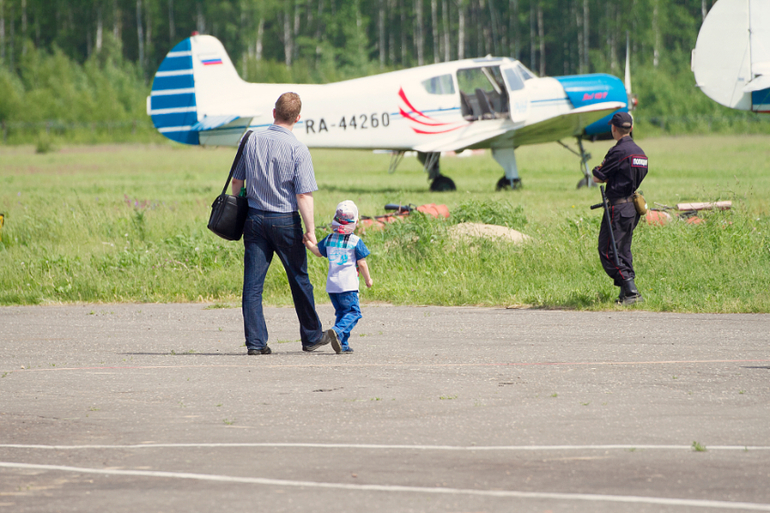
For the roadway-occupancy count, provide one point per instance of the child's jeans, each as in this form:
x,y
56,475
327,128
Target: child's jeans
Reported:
x,y
348,313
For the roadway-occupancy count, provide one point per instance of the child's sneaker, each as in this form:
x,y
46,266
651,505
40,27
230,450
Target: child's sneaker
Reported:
x,y
347,349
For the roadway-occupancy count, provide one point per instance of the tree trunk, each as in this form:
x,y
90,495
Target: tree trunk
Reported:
x,y
586,35
148,32
11,49
171,27
260,34
445,19
703,9
513,27
140,34
24,27
460,30
656,35
391,33
402,9
493,24
99,28
434,29
2,32
116,17
288,40
318,29
295,29
532,50
201,19
541,37
381,32
419,40
581,46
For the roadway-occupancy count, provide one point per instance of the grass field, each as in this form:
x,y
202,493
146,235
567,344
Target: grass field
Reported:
x,y
127,223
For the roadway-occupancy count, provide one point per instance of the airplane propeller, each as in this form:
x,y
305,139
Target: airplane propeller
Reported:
x,y
632,99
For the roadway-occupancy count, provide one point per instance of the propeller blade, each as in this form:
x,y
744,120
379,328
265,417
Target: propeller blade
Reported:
x,y
628,67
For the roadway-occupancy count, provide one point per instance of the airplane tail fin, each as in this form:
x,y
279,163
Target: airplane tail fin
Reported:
x,y
184,90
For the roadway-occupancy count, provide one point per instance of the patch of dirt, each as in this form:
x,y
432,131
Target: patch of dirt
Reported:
x,y
489,231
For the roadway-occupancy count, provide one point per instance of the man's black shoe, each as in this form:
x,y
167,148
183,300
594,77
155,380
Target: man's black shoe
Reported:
x,y
630,293
326,338
264,350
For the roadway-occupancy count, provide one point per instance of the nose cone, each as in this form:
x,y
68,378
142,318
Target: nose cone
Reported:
x,y
595,88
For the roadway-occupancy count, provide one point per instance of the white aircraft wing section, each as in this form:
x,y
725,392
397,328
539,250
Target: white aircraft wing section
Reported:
x,y
566,125
456,144
551,129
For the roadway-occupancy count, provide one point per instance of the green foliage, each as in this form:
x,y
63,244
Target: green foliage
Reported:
x,y
102,99
501,213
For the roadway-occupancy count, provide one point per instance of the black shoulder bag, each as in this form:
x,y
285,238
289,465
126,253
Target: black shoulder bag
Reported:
x,y
228,212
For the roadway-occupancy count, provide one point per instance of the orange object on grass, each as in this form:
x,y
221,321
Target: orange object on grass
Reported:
x,y
379,222
657,217
434,210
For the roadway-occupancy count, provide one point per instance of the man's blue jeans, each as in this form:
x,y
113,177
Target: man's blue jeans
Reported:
x,y
264,234
348,313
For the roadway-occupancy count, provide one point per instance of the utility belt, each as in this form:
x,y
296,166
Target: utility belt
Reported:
x,y
620,201
636,198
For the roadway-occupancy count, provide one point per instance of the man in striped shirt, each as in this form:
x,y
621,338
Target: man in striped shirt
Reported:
x,y
278,172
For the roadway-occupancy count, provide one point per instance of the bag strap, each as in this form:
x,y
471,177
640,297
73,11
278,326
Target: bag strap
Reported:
x,y
237,159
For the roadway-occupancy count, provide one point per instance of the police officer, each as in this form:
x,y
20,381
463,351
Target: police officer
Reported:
x,y
623,169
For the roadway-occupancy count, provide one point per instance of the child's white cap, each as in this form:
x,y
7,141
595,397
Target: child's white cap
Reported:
x,y
346,218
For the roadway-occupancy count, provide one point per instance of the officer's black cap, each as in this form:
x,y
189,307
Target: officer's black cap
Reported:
x,y
622,120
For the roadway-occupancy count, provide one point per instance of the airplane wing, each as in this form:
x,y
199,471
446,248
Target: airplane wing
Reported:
x,y
551,129
566,125
455,144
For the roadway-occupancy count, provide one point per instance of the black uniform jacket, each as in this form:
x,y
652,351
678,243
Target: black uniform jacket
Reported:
x,y
623,168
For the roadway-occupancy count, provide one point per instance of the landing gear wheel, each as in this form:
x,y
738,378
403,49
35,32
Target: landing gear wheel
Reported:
x,y
586,182
505,184
442,184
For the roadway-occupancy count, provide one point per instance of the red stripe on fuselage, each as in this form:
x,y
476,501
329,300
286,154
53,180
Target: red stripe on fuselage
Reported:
x,y
409,104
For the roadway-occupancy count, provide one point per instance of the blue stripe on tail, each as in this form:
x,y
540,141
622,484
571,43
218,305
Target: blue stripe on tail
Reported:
x,y
176,80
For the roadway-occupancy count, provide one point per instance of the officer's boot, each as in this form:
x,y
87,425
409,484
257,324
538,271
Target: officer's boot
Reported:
x,y
630,293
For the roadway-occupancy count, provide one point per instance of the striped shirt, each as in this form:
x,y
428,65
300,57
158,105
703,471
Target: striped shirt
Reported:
x,y
276,167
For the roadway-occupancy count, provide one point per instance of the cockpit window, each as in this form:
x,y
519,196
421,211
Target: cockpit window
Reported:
x,y
524,72
482,93
515,82
439,85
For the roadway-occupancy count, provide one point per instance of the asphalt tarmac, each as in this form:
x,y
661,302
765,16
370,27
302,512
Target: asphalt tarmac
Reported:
x,y
157,408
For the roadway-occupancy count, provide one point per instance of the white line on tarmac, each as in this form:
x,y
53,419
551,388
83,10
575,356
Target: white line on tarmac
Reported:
x,y
748,506
151,445
326,364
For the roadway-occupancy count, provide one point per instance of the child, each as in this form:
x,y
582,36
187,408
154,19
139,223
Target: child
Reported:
x,y
347,254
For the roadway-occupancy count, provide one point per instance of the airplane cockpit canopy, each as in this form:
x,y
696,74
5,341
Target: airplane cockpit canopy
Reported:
x,y
515,82
483,93
524,72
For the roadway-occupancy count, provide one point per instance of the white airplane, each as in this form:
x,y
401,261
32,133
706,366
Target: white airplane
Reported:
x,y
731,59
493,102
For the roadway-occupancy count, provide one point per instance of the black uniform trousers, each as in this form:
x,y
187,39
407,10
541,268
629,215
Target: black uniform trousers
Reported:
x,y
624,219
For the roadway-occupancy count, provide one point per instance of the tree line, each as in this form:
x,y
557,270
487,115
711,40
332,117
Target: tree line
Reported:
x,y
118,44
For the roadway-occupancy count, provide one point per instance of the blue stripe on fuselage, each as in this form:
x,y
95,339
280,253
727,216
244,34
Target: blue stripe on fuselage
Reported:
x,y
760,100
595,88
